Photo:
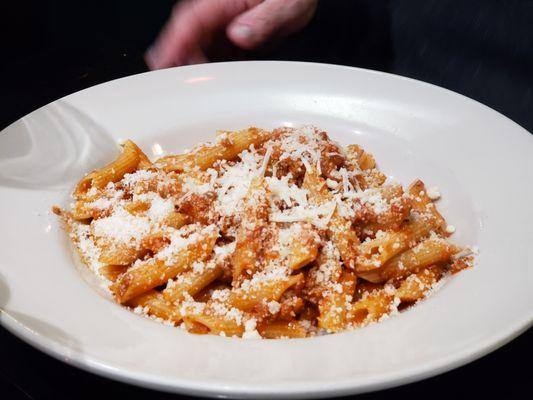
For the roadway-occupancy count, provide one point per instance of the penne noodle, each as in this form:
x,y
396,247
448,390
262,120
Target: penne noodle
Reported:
x,y
371,307
340,229
302,252
127,162
137,207
246,299
191,283
81,209
214,324
156,272
154,303
364,163
423,204
175,220
118,253
282,329
249,234
364,159
227,147
415,286
426,253
375,253
205,295
334,305
112,272
295,247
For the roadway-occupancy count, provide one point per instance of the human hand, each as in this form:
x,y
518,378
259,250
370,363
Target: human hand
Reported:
x,y
195,24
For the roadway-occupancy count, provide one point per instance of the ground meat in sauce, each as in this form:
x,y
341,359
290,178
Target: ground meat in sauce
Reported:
x,y
97,213
198,207
290,307
331,160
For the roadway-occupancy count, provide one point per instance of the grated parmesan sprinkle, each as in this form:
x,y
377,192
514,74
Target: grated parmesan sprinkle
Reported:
x,y
121,227
143,214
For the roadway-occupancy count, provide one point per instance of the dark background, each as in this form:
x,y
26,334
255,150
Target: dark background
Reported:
x,y
482,49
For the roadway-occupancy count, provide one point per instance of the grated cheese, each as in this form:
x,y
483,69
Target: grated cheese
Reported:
x,y
281,189
87,247
181,238
317,215
273,307
234,182
250,331
136,177
160,208
450,229
121,227
433,193
223,195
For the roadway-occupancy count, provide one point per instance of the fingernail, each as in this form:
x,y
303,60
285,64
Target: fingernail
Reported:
x,y
242,31
151,58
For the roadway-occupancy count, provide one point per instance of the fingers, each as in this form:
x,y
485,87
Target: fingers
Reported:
x,y
269,19
190,28
194,23
169,46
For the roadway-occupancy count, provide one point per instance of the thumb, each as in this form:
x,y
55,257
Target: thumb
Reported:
x,y
271,18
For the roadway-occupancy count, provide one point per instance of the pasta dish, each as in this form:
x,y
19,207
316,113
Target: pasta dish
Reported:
x,y
272,234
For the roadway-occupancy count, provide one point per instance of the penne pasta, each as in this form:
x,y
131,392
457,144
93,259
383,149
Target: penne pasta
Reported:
x,y
118,253
415,286
175,220
127,161
214,324
156,272
428,252
191,283
211,319
335,304
112,272
138,207
260,234
249,234
371,307
424,205
364,163
246,298
302,251
81,209
154,303
364,160
375,253
227,147
340,229
282,329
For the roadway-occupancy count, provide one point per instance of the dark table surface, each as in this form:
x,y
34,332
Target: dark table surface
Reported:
x,y
483,49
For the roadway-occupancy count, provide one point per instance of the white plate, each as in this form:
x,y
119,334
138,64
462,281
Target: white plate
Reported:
x,y
481,161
